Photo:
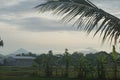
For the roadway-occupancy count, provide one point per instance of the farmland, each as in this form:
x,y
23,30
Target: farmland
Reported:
x,y
24,73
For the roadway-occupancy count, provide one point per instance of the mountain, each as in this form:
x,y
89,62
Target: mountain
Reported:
x,y
19,51
88,50
1,55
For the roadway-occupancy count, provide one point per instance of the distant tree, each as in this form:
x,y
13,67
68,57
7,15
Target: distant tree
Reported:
x,y
23,54
115,58
56,65
81,64
49,63
38,59
60,63
67,62
92,58
46,62
31,54
81,67
101,59
41,62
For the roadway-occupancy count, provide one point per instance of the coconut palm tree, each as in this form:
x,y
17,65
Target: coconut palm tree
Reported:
x,y
115,59
101,59
67,62
86,16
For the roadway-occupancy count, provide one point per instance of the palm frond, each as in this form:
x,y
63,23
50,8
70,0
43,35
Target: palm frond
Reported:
x,y
86,15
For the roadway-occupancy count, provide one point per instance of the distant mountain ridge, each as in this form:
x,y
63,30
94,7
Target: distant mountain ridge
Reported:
x,y
1,55
19,51
22,50
88,50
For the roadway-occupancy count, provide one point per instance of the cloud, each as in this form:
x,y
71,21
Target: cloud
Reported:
x,y
21,26
38,25
21,13
7,3
110,6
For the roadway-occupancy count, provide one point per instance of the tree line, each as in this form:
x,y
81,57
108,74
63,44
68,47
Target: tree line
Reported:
x,y
98,66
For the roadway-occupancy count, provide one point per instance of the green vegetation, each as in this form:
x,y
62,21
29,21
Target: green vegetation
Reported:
x,y
100,65
86,16
24,73
115,58
66,66
33,78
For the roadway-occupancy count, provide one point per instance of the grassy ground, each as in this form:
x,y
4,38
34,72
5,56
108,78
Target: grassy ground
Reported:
x,y
23,73
33,78
30,73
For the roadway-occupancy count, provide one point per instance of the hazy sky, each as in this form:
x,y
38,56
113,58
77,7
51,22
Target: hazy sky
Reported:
x,y
23,27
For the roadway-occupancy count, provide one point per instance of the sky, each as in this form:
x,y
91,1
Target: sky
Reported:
x,y
21,26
